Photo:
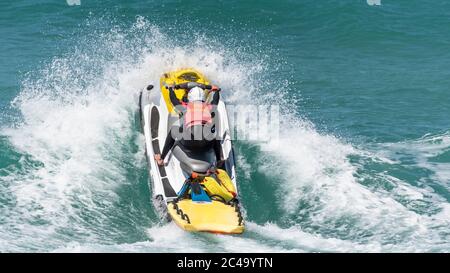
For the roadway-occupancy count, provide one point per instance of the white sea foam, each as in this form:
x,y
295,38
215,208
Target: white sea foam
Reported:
x,y
374,2
321,187
424,151
73,2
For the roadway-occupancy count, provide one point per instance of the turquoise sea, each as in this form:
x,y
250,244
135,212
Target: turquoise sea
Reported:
x,y
363,159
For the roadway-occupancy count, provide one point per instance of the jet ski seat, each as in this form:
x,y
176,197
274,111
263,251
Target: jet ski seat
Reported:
x,y
198,161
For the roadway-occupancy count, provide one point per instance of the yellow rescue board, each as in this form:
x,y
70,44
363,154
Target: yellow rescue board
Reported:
x,y
178,77
214,217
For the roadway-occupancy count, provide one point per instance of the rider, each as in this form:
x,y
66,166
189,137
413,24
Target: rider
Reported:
x,y
196,114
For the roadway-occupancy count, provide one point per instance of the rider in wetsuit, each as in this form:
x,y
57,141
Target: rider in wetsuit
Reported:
x,y
193,105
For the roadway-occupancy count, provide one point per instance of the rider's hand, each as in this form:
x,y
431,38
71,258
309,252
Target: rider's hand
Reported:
x,y
215,88
158,159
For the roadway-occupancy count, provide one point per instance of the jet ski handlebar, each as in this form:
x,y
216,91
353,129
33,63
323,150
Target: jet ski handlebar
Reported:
x,y
190,85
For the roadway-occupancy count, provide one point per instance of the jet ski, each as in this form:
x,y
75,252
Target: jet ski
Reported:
x,y
189,189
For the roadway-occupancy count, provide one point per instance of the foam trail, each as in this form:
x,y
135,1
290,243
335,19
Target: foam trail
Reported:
x,y
170,238
322,191
429,152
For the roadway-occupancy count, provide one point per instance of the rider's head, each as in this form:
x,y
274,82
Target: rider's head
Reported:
x,y
196,94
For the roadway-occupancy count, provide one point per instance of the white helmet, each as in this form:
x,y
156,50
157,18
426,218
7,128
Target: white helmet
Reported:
x,y
196,94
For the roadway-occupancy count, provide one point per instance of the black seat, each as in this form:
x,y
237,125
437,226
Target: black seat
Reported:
x,y
199,161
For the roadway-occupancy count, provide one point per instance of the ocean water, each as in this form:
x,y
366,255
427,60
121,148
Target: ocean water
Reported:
x,y
363,159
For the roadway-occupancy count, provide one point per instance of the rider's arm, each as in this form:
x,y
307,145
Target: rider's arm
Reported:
x,y
215,98
211,87
173,97
189,85
218,150
170,141
182,85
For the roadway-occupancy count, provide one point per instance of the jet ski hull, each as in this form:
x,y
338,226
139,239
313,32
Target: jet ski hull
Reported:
x,y
157,116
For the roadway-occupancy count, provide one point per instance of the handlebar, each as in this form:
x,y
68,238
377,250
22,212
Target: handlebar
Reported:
x,y
191,85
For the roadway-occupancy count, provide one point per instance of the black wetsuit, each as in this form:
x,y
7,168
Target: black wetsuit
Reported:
x,y
194,145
